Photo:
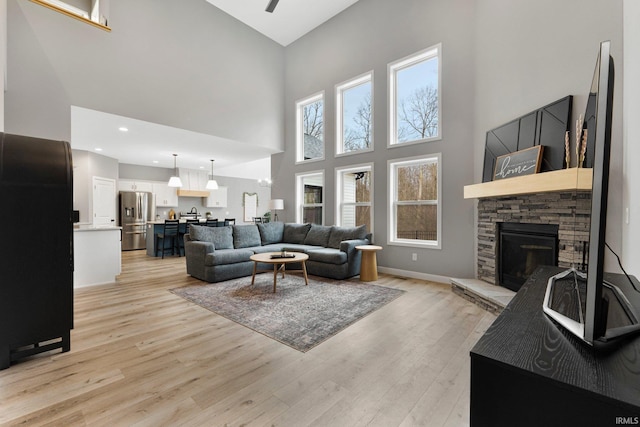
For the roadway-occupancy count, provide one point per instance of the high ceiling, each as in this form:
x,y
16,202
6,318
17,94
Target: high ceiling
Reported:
x,y
290,20
147,143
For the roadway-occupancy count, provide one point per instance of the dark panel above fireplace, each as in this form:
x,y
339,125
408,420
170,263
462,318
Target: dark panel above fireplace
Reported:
x,y
544,126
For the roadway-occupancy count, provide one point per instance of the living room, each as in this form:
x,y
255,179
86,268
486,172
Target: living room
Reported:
x,y
500,60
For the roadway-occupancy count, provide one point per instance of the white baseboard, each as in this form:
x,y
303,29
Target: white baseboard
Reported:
x,y
415,275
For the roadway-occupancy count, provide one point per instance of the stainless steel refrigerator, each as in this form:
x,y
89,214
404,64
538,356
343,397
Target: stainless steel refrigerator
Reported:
x,y
136,208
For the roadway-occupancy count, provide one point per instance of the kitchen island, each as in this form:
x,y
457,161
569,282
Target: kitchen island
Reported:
x,y
96,253
155,227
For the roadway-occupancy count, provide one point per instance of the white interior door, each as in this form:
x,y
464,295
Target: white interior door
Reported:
x,y
104,201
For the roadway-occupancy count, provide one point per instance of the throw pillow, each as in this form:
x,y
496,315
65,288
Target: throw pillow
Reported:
x,y
221,237
318,235
245,236
338,234
271,232
295,233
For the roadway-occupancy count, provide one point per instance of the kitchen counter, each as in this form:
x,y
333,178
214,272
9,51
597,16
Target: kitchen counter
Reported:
x,y
90,227
97,254
182,220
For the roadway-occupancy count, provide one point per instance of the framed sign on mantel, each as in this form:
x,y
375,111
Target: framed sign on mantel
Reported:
x,y
518,163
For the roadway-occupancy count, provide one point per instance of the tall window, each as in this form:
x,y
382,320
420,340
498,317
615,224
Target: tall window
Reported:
x,y
414,96
310,197
310,128
354,115
355,196
415,210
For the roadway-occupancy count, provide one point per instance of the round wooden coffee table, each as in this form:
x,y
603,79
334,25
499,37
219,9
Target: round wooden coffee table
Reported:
x,y
279,265
369,264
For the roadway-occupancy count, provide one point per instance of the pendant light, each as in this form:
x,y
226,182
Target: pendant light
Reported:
x,y
211,184
175,180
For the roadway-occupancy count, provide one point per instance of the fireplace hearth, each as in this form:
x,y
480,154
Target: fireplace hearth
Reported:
x,y
522,248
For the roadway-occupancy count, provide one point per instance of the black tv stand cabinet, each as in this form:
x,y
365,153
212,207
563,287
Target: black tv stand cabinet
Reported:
x,y
526,371
36,255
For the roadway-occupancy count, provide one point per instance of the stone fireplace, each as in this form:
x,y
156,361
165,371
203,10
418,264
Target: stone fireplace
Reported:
x,y
566,211
559,199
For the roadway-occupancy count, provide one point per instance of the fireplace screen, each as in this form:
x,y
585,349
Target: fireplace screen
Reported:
x,y
522,248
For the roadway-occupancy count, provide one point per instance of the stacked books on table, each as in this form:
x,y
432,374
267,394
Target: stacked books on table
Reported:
x,y
283,255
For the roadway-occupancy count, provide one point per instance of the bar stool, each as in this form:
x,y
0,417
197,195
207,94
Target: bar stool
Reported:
x,y
228,221
212,222
186,231
169,232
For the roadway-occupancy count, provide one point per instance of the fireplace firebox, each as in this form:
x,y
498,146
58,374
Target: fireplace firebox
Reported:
x,y
522,247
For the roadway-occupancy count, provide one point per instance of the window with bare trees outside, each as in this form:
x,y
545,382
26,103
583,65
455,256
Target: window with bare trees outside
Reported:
x,y
310,197
354,118
310,128
354,196
415,211
414,96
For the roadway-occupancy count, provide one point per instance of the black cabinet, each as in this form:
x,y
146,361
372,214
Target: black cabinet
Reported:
x,y
525,371
36,253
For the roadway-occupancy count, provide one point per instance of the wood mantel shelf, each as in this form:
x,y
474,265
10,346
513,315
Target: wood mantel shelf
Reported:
x,y
561,180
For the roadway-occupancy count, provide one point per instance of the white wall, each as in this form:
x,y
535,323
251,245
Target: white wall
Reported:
x,y
501,59
368,36
631,229
80,4
182,64
531,53
188,65
86,165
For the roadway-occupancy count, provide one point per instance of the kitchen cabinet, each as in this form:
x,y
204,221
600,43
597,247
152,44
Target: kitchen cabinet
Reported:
x,y
165,196
217,198
130,185
97,255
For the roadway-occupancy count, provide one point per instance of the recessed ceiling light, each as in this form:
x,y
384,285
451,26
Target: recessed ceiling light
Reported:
x,y
156,162
98,149
123,129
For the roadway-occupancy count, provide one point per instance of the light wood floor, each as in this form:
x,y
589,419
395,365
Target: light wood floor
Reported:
x,y
143,356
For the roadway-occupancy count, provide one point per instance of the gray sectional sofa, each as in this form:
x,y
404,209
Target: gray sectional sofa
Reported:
x,y
215,254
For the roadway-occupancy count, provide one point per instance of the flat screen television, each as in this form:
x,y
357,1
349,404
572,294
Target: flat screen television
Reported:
x,y
586,305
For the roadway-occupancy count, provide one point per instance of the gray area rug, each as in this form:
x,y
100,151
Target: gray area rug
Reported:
x,y
296,315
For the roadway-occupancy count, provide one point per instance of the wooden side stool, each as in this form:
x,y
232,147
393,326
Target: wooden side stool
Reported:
x,y
369,265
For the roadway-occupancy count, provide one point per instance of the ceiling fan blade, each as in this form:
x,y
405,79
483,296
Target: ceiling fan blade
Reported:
x,y
272,5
